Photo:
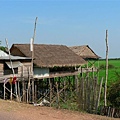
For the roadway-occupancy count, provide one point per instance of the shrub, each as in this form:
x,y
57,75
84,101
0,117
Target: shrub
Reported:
x,y
114,94
102,66
110,66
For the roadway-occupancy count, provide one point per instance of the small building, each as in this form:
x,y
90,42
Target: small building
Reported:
x,y
19,64
49,60
85,52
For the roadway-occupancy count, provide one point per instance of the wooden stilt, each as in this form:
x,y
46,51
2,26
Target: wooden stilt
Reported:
x,y
18,91
33,95
95,92
11,91
76,84
83,94
35,92
4,90
89,95
50,84
99,93
23,90
58,97
27,95
64,91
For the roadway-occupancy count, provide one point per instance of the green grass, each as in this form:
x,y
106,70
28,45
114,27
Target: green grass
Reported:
x,y
113,71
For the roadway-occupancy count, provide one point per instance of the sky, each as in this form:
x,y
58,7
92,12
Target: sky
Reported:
x,y
62,22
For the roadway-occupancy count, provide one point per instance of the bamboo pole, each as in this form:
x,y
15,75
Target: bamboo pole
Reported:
x,y
99,93
58,97
36,93
4,89
95,92
50,84
29,83
19,91
27,96
33,91
32,52
83,96
89,95
32,42
105,101
64,91
23,90
76,84
12,71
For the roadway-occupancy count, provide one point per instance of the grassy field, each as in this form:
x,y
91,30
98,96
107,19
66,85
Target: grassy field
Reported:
x,y
113,72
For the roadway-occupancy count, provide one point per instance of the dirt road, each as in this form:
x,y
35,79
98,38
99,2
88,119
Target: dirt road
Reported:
x,y
10,110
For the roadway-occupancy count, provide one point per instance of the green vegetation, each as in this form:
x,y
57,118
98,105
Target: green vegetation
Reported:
x,y
113,91
113,72
114,94
3,48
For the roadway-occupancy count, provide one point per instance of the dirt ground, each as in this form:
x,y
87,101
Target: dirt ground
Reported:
x,y
10,110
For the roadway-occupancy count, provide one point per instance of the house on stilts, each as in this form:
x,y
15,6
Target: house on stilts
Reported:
x,y
87,54
50,60
53,68
56,75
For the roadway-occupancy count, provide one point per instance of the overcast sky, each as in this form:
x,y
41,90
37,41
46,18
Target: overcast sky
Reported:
x,y
64,22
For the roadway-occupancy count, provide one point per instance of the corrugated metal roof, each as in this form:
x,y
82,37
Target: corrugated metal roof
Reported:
x,y
14,58
2,53
5,56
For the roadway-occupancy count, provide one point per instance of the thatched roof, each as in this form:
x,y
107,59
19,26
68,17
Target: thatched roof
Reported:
x,y
49,55
85,52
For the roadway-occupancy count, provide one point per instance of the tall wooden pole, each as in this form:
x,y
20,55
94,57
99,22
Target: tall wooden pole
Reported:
x,y
33,38
33,58
12,71
105,101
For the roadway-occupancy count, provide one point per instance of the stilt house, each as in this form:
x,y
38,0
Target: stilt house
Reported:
x,y
87,54
50,60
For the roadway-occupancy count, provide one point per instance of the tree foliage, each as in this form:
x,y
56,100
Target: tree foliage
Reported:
x,y
114,94
3,48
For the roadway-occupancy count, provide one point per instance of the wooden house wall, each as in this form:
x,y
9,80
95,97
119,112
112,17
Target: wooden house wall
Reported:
x,y
1,68
25,68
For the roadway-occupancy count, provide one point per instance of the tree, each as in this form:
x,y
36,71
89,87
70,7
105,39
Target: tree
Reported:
x,y
2,47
